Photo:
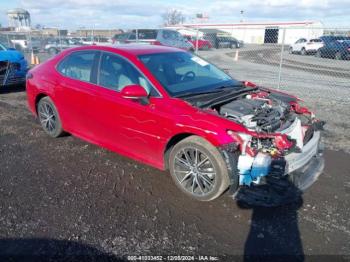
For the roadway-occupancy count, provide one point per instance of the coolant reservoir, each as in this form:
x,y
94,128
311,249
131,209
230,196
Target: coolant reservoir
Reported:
x,y
261,166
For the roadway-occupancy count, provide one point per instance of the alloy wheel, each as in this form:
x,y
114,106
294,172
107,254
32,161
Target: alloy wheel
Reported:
x,y
194,171
47,117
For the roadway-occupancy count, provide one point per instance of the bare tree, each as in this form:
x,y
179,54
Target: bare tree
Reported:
x,y
173,17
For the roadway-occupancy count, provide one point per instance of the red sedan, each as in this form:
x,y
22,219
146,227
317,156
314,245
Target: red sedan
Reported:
x,y
173,110
202,43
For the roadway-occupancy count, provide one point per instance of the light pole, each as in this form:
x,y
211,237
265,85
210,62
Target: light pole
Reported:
x,y
242,12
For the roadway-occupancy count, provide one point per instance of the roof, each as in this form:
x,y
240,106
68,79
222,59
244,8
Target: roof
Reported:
x,y
268,23
133,49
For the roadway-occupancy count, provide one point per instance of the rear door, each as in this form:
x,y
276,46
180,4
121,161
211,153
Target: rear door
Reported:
x,y
76,92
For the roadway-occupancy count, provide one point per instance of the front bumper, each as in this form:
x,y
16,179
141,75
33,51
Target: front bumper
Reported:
x,y
12,73
305,167
301,168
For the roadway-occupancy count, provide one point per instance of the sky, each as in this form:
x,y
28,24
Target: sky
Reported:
x,y
127,14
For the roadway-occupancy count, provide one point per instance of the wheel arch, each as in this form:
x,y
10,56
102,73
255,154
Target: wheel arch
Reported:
x,y
38,97
171,143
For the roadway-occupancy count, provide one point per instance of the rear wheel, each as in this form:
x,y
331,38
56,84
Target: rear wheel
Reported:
x,y
290,50
318,53
206,47
198,169
338,56
303,51
53,51
49,118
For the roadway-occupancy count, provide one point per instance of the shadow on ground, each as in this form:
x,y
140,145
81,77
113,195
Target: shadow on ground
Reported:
x,y
41,249
12,89
274,231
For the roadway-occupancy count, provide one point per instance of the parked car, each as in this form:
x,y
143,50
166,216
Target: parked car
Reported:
x,y
25,43
305,46
227,42
175,111
331,38
54,46
202,43
222,41
165,37
96,40
13,66
339,49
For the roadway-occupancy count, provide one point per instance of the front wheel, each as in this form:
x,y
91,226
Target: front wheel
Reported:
x,y
338,56
318,54
49,117
303,51
198,169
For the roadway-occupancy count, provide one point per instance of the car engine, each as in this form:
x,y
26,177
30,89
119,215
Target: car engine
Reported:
x,y
261,115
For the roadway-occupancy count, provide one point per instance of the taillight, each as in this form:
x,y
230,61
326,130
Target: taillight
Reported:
x,y
29,75
156,43
349,49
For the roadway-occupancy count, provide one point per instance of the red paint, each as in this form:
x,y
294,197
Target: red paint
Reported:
x,y
133,92
138,130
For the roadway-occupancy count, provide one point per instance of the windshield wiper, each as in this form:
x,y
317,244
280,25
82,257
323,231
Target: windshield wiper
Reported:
x,y
219,89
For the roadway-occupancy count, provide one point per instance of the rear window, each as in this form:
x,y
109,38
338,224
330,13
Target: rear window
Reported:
x,y
147,34
78,65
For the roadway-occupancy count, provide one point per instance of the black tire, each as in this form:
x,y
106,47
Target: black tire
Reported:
x,y
205,47
290,50
318,54
338,56
49,118
214,169
53,51
303,51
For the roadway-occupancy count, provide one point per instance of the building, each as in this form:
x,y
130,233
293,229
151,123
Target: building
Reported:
x,y
262,32
19,19
97,32
55,32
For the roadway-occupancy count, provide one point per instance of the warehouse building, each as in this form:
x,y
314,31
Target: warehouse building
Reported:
x,y
260,32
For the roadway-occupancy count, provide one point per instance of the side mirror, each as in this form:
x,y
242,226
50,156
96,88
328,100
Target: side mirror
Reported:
x,y
134,92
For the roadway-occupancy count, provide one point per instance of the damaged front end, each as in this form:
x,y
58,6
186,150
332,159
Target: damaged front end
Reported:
x,y
282,142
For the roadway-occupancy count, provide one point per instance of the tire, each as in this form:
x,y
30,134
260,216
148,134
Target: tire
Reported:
x,y
203,179
53,51
290,50
318,54
303,51
205,47
49,118
338,56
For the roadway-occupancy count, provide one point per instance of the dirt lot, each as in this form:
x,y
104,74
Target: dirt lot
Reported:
x,y
67,197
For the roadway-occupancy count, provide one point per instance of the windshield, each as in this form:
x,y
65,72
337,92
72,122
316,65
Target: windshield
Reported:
x,y
182,73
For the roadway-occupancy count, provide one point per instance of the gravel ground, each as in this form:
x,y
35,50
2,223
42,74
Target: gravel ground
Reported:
x,y
64,197
324,84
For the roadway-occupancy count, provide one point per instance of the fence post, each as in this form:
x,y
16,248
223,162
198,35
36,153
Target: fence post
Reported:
x,y
197,35
281,59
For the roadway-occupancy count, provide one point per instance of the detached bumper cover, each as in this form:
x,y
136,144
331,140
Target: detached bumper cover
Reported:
x,y
304,168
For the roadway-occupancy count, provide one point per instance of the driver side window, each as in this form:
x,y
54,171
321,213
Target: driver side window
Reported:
x,y
115,73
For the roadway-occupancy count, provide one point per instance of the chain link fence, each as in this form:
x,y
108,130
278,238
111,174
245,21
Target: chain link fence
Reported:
x,y
312,63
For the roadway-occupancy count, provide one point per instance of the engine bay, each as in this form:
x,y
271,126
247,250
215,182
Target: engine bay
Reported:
x,y
258,114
